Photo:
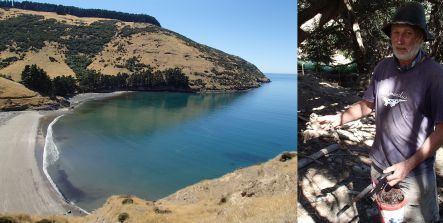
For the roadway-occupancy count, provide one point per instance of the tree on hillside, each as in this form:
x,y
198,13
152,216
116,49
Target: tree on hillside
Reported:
x,y
64,86
37,79
88,80
175,78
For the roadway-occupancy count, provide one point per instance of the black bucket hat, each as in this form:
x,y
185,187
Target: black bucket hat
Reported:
x,y
412,13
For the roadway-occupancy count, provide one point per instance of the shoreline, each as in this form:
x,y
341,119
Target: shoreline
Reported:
x,y
25,188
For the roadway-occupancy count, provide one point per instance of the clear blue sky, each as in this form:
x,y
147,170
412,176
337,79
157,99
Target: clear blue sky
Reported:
x,y
262,32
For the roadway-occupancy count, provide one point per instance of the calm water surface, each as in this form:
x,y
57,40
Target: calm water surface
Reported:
x,y
151,144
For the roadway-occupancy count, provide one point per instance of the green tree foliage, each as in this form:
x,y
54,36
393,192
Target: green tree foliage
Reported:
x,y
133,64
89,40
121,82
78,63
29,32
321,45
128,31
36,79
79,12
88,80
337,30
436,26
139,80
176,79
5,62
64,85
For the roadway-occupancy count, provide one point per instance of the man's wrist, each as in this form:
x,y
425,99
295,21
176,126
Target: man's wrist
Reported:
x,y
412,162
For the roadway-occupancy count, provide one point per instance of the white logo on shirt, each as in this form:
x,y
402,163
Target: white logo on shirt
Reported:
x,y
392,102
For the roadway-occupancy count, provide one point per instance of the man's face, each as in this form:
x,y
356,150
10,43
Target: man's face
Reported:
x,y
406,42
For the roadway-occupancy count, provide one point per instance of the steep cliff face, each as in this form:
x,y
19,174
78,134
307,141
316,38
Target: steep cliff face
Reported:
x,y
72,46
262,193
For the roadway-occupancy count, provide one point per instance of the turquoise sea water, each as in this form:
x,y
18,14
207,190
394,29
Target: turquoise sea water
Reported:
x,y
151,144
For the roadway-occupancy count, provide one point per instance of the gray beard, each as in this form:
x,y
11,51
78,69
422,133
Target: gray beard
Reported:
x,y
409,56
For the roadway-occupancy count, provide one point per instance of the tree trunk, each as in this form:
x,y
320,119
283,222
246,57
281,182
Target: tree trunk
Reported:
x,y
435,24
354,27
326,9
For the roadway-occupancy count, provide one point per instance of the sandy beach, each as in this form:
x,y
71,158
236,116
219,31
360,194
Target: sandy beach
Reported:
x,y
24,188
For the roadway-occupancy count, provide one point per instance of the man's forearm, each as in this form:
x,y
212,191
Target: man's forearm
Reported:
x,y
431,144
356,111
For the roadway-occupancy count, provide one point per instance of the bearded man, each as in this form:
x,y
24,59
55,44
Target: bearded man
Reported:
x,y
406,93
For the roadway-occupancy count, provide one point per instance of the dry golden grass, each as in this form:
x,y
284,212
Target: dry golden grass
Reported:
x,y
5,54
42,59
261,193
15,96
68,19
25,218
157,49
16,104
271,199
161,50
11,89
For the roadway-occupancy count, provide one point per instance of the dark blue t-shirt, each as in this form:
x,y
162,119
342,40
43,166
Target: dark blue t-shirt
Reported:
x,y
407,106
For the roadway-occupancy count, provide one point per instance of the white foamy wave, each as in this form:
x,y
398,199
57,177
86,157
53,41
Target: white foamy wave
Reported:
x,y
50,156
50,153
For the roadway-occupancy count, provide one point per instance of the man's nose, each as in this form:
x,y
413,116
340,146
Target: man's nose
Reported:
x,y
400,39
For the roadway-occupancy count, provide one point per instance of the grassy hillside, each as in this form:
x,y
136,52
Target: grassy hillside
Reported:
x,y
107,55
14,96
264,193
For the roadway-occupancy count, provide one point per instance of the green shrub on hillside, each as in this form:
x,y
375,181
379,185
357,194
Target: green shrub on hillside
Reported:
x,y
28,32
6,76
78,63
133,64
6,219
127,31
89,40
123,217
7,61
46,221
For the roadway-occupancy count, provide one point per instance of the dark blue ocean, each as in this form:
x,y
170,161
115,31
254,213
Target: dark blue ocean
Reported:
x,y
151,144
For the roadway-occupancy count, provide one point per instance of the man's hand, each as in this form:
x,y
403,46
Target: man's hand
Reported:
x,y
400,171
332,120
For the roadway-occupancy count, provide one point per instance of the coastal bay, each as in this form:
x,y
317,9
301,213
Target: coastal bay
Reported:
x,y
24,187
244,156
151,144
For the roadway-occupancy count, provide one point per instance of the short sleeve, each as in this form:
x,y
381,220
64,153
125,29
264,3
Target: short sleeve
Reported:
x,y
436,99
369,94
